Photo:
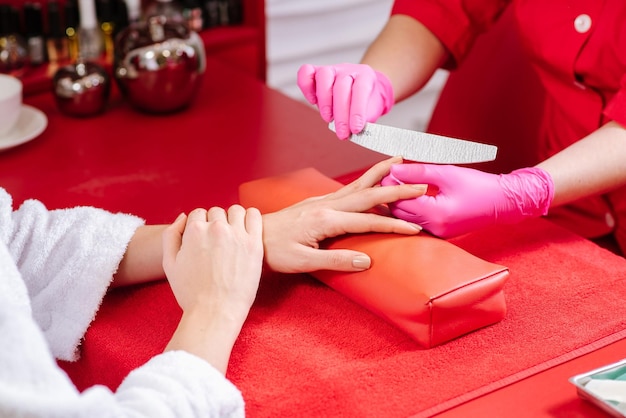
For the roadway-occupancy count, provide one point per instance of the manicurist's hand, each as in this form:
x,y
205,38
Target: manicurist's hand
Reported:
x,y
213,261
292,236
462,199
349,94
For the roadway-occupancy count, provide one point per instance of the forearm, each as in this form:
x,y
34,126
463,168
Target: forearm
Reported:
x,y
209,333
143,260
591,166
407,53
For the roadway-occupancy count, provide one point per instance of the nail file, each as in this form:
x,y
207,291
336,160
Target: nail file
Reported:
x,y
421,146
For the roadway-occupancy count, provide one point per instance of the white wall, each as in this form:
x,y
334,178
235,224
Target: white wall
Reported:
x,y
332,31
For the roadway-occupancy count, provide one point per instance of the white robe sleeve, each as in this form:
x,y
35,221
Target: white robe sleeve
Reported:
x,y
90,244
67,259
174,384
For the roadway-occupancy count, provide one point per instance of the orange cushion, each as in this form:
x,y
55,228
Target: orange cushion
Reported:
x,y
426,286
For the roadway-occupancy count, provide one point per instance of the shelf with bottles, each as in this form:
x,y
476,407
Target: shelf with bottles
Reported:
x,y
39,36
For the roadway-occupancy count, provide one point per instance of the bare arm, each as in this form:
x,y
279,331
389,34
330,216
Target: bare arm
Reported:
x,y
591,166
407,53
142,261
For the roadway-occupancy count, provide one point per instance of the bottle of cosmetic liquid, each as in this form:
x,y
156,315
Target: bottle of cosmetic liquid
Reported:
x,y
71,28
235,12
134,10
56,41
171,9
90,39
33,25
192,12
13,49
104,12
211,13
121,19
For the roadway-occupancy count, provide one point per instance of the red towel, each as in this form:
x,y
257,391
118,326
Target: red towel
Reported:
x,y
306,350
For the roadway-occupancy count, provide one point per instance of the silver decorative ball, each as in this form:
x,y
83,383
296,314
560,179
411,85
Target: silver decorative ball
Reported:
x,y
81,89
159,64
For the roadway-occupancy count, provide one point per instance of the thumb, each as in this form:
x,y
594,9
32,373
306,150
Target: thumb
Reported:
x,y
412,173
172,240
339,260
440,176
306,82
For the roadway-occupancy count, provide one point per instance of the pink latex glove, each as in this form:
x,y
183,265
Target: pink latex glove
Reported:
x,y
351,94
464,200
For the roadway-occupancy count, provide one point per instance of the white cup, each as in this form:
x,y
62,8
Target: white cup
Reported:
x,y
10,102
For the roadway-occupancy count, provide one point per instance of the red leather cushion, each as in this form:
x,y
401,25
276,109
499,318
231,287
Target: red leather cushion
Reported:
x,y
427,287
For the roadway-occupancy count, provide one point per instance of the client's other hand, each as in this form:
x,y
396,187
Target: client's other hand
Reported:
x,y
292,235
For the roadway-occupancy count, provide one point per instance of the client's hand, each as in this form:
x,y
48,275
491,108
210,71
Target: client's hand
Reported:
x,y
213,261
461,200
351,94
292,236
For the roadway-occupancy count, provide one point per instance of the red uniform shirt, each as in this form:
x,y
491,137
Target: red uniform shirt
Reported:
x,y
578,48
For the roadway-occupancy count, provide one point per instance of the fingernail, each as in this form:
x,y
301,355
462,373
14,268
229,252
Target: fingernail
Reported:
x,y
416,226
361,262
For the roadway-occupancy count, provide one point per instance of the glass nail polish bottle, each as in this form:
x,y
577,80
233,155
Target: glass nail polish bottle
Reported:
x,y
13,49
171,9
33,25
121,20
90,39
104,12
134,10
192,12
56,41
71,28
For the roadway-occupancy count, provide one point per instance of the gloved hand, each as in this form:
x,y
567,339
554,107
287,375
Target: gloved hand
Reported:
x,y
461,200
351,94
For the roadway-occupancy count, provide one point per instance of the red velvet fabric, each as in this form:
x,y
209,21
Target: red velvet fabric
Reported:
x,y
308,350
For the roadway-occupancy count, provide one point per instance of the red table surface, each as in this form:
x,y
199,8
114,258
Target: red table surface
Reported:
x,y
547,394
236,130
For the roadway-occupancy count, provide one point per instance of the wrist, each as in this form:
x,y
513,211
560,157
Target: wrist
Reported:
x,y
539,191
207,333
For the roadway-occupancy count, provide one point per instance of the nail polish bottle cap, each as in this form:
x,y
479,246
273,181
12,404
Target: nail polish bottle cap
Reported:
x,y
55,29
104,10
71,14
121,18
134,9
4,20
33,21
87,13
13,22
191,4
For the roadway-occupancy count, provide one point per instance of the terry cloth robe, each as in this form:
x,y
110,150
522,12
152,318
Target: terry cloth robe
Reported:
x,y
55,267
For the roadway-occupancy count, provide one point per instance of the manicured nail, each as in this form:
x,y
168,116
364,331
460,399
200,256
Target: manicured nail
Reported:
x,y
361,262
416,226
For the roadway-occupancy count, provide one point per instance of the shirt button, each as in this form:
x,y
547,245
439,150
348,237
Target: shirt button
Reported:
x,y
609,219
582,23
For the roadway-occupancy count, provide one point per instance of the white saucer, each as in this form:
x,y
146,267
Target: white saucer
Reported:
x,y
29,125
